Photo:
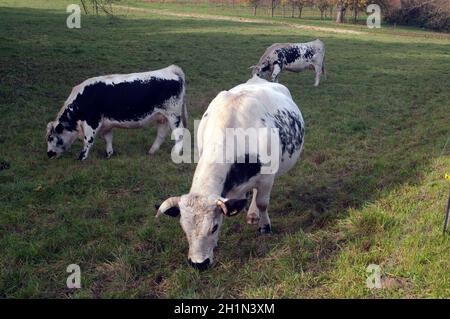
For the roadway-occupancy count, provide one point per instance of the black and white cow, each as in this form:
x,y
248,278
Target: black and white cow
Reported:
x,y
294,57
135,100
219,187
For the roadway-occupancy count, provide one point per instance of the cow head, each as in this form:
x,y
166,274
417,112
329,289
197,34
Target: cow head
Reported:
x,y
59,138
201,218
262,70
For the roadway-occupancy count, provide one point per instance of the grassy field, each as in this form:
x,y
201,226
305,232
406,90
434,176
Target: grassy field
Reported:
x,y
369,188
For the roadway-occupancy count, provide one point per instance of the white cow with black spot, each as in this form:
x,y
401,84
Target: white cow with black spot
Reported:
x,y
219,188
294,57
135,100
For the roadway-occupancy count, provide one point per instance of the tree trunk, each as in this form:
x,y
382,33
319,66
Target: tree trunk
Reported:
x,y
331,12
254,10
321,14
293,10
284,11
340,13
84,7
300,9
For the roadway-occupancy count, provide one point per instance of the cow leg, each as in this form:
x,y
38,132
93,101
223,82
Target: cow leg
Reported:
x,y
163,128
262,202
253,212
108,139
88,140
318,69
276,72
177,128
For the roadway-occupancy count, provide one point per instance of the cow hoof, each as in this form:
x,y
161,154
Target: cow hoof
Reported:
x,y
266,229
108,154
252,219
151,151
82,157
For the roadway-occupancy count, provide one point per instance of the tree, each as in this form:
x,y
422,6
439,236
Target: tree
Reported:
x,y
292,2
300,4
283,5
322,5
254,4
341,8
273,5
356,6
103,5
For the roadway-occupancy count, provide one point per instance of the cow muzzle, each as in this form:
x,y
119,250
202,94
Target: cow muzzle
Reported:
x,y
51,154
200,266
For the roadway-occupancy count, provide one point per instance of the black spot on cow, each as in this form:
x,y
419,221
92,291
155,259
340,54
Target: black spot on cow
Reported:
x,y
240,173
59,128
124,101
59,141
177,121
4,165
82,153
266,68
290,129
288,55
266,229
309,53
51,154
91,140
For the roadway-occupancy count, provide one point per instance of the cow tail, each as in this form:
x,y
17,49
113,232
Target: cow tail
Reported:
x,y
323,68
184,114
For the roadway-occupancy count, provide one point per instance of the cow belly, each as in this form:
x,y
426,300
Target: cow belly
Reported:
x,y
299,66
143,122
287,162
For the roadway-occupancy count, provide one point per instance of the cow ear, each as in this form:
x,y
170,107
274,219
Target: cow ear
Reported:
x,y
169,207
232,207
252,67
59,128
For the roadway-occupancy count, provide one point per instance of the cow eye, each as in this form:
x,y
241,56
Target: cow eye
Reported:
x,y
214,228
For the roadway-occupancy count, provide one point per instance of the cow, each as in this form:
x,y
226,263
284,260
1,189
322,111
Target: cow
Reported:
x,y
219,188
134,100
294,57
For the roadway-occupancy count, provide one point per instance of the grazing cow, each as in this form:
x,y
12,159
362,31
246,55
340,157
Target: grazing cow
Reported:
x,y
294,57
219,188
134,100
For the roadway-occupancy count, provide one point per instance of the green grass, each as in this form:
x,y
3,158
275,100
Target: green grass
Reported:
x,y
369,187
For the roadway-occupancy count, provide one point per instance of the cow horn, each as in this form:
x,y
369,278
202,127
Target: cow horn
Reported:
x,y
222,205
167,204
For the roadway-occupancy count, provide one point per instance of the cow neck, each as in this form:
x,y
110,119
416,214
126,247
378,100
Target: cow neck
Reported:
x,y
209,177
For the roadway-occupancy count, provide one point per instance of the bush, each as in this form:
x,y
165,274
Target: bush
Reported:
x,y
433,15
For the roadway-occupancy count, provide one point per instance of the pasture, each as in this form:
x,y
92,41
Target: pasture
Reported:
x,y
369,188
